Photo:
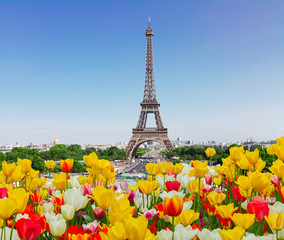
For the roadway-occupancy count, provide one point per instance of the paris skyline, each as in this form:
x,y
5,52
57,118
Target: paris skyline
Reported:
x,y
76,71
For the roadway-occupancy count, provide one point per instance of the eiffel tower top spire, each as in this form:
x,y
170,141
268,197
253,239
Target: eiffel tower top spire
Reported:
x,y
149,88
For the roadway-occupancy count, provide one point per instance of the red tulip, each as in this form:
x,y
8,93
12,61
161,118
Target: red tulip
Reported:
x,y
66,165
27,229
99,212
173,206
172,185
237,196
259,209
3,193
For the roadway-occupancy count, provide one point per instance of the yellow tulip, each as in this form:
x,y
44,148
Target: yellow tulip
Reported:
x,y
243,220
176,168
101,164
59,181
117,232
146,186
210,152
153,169
50,164
217,180
227,161
187,217
8,169
252,157
120,210
104,197
278,168
271,150
280,152
83,180
268,191
259,166
164,166
193,186
275,221
25,165
39,182
225,211
7,208
199,169
280,141
232,234
236,153
230,173
33,174
107,174
93,172
244,183
17,175
220,169
259,181
243,163
91,159
215,198
20,198
135,228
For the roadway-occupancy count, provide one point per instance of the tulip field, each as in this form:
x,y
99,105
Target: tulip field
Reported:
x,y
236,200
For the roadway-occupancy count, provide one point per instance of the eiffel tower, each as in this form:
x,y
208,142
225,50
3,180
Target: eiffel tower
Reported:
x,y
150,104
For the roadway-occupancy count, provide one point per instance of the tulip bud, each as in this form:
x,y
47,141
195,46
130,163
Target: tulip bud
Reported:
x,y
99,213
67,211
275,180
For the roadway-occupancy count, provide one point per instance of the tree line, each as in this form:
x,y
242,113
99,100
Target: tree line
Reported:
x,y
198,153
58,152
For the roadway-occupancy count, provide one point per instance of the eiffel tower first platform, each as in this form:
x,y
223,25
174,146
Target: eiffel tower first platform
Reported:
x,y
150,104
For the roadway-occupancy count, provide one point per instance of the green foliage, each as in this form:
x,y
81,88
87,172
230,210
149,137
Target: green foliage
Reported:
x,y
267,158
75,152
142,151
77,167
196,153
2,157
111,153
58,152
38,164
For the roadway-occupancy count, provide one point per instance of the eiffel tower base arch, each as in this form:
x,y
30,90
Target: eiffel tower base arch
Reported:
x,y
139,137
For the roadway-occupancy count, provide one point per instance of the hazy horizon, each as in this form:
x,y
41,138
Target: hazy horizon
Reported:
x,y
76,70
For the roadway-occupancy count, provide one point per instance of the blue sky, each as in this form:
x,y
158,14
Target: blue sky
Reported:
x,y
75,69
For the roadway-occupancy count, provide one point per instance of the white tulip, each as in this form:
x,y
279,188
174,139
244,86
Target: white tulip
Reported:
x,y
74,182
57,227
15,235
187,205
276,207
206,234
48,207
75,197
164,235
67,211
171,194
184,233
167,178
251,236
186,169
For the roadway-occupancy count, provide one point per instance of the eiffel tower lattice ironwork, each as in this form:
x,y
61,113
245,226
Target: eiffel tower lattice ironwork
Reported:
x,y
150,104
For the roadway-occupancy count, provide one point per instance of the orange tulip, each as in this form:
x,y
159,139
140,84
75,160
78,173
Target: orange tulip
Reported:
x,y
177,168
173,206
66,165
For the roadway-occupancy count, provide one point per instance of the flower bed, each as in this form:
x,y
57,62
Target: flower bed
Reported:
x,y
236,200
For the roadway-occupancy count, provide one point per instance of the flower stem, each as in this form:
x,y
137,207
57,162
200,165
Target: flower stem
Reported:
x,y
13,224
173,228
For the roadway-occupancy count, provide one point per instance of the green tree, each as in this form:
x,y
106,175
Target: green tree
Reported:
x,y
58,152
38,164
78,167
2,157
75,152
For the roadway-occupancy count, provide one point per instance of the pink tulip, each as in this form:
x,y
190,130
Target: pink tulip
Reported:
x,y
149,214
208,178
207,189
99,213
124,186
87,189
131,195
51,189
275,181
91,227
